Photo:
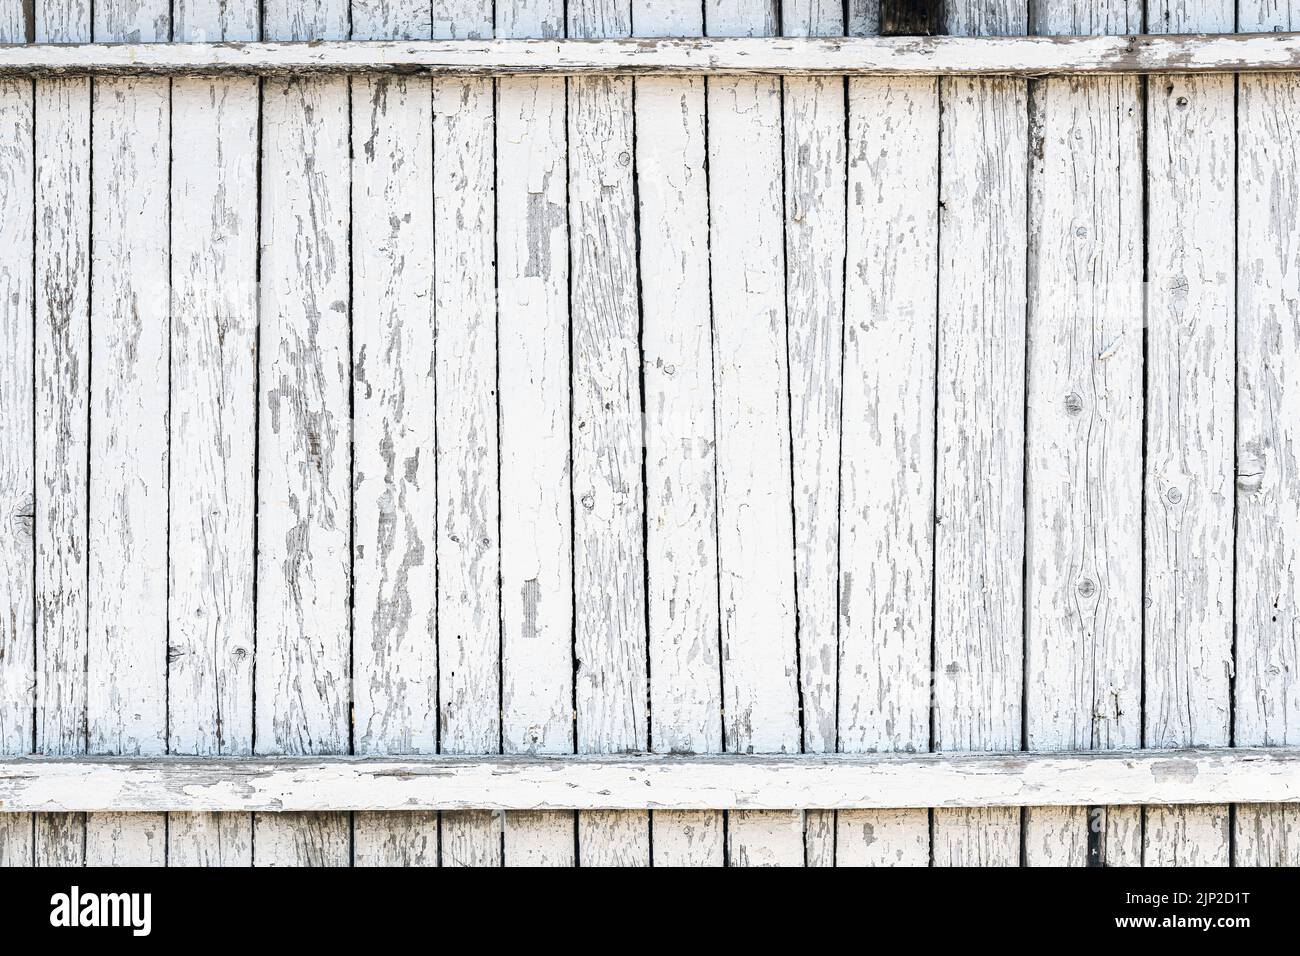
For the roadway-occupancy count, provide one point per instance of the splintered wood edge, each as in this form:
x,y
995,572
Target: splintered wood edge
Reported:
x,y
655,782
866,56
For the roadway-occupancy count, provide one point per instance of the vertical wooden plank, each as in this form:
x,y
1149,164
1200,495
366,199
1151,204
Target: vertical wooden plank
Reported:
x,y
608,495
304,453
536,483
887,511
213,425
1190,432
759,614
62,416
17,840
861,18
17,430
979,538
394,494
469,555
129,408
1083,535
1268,403
813,110
677,365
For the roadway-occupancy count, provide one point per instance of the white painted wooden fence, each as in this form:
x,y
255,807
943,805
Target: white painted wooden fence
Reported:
x,y
484,429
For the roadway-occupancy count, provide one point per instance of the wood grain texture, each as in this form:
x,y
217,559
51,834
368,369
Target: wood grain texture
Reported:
x,y
534,348
17,432
62,410
394,493
121,839
819,56
546,782
1190,486
609,569
758,609
62,418
979,500
304,431
688,838
465,352
765,838
886,554
1083,536
209,839
680,465
17,410
129,485
17,840
471,838
213,425
1267,648
814,136
129,449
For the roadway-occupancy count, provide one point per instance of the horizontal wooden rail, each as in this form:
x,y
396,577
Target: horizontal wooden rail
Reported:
x,y
928,56
832,781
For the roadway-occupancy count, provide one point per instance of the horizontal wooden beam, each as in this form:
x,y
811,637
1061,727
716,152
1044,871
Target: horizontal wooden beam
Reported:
x,y
879,56
831,781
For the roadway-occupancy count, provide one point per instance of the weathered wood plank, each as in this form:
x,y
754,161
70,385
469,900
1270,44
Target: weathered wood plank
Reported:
x,y
17,403
1267,651
540,782
130,410
394,494
17,840
858,56
126,839
62,418
304,451
980,521
213,426
465,353
887,495
1190,439
609,569
758,607
535,418
1083,494
17,431
677,366
814,137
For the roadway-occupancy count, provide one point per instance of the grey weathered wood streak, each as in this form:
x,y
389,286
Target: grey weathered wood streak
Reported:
x,y
534,349
610,682
213,425
677,366
1267,652
756,570
17,430
887,459
129,408
1190,441
62,418
979,537
757,783
859,56
813,110
465,352
304,448
1083,684
394,494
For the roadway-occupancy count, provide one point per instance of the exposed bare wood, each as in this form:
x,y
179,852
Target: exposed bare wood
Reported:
x,y
861,56
651,781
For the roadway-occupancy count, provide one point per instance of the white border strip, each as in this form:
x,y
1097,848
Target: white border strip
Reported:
x,y
833,781
879,56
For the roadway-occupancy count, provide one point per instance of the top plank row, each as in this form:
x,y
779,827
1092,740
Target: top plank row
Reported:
x,y
860,56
